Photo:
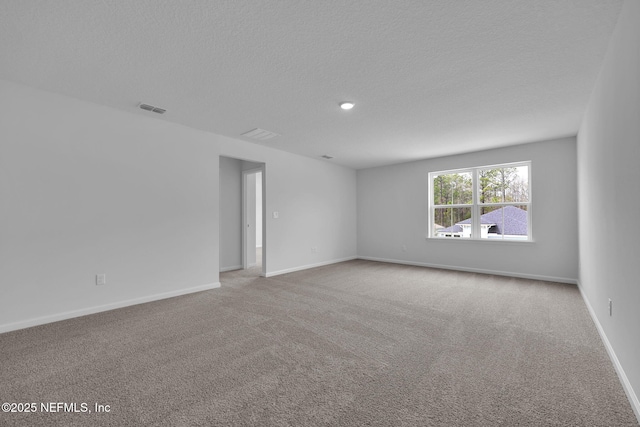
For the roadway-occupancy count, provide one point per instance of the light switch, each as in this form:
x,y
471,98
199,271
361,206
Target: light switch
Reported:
x,y
276,214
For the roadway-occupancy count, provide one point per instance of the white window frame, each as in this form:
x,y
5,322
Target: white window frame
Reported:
x,y
476,205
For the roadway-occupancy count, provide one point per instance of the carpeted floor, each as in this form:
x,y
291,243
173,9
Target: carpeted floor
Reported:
x,y
351,344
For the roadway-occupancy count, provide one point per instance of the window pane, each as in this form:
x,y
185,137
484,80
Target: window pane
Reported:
x,y
452,222
452,189
504,222
499,185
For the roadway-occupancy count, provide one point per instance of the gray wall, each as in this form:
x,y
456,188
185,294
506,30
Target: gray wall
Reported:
x,y
230,214
393,212
609,194
87,189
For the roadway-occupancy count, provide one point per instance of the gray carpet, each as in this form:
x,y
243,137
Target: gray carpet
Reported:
x,y
351,344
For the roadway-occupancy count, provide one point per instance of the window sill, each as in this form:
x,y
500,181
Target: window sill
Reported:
x,y
490,241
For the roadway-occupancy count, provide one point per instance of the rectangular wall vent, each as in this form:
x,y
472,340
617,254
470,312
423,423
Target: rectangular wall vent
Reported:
x,y
260,134
152,108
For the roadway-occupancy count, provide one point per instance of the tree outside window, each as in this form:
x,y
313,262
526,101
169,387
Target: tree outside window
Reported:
x,y
499,210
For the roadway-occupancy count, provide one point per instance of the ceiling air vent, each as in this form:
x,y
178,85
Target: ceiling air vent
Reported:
x,y
260,134
152,108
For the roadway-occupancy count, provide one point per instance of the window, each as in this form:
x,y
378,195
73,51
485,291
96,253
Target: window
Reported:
x,y
488,202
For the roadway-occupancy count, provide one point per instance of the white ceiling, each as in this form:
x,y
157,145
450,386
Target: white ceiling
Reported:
x,y
429,78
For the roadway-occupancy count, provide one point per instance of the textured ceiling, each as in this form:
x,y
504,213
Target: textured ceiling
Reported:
x,y
429,78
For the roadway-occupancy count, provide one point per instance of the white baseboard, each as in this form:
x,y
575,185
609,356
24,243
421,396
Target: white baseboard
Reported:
x,y
7,327
475,270
626,385
233,267
305,267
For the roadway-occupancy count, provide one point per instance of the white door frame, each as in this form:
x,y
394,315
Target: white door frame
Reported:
x,y
247,220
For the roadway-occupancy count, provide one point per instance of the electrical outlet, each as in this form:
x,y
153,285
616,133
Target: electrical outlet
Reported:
x,y
404,248
276,214
314,249
610,307
101,279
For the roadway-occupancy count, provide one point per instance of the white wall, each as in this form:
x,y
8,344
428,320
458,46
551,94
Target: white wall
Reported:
x,y
259,210
609,198
254,208
86,189
230,214
316,202
393,212
250,219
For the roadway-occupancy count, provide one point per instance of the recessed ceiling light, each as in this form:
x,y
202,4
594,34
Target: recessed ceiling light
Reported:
x,y
347,105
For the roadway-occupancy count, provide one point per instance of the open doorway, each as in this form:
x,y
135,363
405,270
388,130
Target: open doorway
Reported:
x,y
253,214
242,221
